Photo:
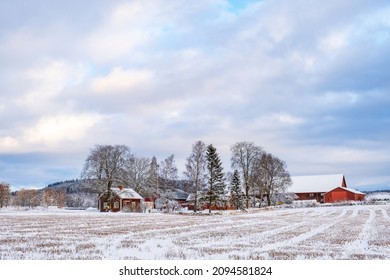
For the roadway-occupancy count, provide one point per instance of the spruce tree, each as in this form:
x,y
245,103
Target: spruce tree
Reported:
x,y
216,183
237,195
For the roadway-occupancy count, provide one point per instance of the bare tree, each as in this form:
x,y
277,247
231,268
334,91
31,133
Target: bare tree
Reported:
x,y
273,176
27,198
5,194
153,174
168,171
59,198
244,156
106,165
48,199
138,174
195,168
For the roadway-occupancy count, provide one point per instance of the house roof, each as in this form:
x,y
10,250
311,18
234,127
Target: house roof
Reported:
x,y
315,183
126,193
349,190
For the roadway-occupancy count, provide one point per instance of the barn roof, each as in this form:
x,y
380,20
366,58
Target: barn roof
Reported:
x,y
126,193
315,183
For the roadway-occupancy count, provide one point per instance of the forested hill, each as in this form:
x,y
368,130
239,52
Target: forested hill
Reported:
x,y
72,186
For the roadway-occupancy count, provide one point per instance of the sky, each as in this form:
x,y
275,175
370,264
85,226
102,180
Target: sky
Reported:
x,y
306,80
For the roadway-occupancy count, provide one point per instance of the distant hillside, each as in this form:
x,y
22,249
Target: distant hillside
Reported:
x,y
377,191
78,193
72,186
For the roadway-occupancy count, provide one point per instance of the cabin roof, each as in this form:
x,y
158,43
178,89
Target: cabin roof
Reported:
x,y
315,183
126,193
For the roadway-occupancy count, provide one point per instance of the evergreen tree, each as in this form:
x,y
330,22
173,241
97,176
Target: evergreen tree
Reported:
x,y
216,182
237,195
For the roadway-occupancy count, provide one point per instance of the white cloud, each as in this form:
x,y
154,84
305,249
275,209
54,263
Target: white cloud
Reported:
x,y
8,143
126,27
288,119
120,80
56,130
334,41
45,82
51,133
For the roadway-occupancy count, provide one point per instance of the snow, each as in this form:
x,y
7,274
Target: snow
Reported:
x,y
337,233
315,183
348,190
126,193
380,197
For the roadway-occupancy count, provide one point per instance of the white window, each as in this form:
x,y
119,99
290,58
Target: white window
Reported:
x,y
116,204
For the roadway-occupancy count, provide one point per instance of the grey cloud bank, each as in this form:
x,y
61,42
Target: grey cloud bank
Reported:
x,y
307,81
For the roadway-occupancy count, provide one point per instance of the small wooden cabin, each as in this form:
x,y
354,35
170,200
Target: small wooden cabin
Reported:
x,y
343,194
122,199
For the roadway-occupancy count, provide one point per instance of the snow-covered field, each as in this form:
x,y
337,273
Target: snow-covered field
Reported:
x,y
343,232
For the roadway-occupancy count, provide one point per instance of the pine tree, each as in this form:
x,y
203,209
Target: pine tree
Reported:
x,y
216,182
237,195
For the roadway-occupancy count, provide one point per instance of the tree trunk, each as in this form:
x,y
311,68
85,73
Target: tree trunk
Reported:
x,y
268,199
108,199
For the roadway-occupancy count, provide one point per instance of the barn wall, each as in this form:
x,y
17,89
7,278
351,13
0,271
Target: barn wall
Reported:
x,y
310,196
341,194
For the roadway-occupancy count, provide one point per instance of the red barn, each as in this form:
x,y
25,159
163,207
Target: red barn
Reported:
x,y
343,194
315,186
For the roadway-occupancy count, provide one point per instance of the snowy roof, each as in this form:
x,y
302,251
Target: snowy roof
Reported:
x,y
126,193
315,183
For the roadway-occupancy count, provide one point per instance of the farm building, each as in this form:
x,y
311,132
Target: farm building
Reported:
x,y
343,194
149,203
316,186
121,199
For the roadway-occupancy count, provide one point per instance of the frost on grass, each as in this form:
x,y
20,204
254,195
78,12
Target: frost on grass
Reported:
x,y
344,232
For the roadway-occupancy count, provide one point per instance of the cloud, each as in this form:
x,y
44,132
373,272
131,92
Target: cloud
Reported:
x,y
157,75
121,80
61,128
43,86
51,133
8,143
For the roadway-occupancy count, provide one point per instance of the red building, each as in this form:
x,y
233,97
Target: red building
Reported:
x,y
315,187
125,199
343,194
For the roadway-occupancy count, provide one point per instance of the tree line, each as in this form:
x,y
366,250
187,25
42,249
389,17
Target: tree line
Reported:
x,y
256,174
31,198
